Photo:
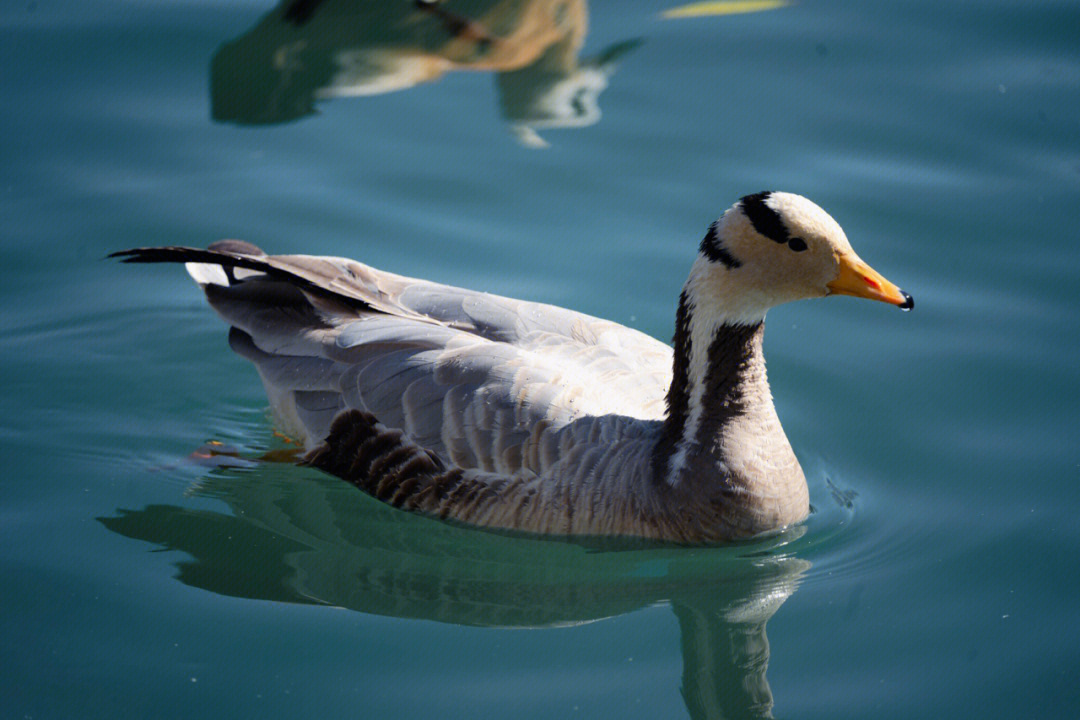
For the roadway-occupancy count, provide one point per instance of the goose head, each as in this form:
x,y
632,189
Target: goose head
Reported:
x,y
771,248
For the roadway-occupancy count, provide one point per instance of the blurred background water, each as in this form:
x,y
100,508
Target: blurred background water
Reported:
x,y
572,153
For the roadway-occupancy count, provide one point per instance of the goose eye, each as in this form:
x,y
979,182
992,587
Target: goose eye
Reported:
x,y
797,244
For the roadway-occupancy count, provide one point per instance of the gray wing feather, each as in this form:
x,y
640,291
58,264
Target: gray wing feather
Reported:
x,y
483,381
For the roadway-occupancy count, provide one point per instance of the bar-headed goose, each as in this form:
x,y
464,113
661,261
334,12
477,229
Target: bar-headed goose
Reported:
x,y
513,414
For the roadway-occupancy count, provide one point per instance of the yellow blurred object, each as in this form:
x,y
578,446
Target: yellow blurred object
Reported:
x,y
733,7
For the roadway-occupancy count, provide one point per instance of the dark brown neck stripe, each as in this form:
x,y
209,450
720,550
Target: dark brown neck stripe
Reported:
x,y
731,359
678,397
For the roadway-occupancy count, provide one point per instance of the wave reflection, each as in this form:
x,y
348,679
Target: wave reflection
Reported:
x,y
306,51
290,537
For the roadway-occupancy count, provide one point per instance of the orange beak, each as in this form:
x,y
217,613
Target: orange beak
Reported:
x,y
859,279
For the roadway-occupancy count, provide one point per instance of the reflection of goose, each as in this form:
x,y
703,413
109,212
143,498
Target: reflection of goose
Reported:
x,y
539,97
513,414
319,542
306,50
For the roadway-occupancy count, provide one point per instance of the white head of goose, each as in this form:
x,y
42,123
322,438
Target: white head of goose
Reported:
x,y
512,414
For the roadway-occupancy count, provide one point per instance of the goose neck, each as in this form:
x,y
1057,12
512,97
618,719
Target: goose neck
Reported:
x,y
718,379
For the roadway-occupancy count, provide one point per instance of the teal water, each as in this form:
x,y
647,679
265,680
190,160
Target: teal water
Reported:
x,y
939,573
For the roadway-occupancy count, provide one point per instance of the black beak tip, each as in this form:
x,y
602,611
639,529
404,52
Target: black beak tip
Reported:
x,y
909,302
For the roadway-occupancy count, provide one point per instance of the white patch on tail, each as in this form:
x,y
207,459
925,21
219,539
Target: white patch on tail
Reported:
x,y
207,273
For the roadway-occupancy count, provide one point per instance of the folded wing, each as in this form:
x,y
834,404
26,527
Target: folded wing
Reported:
x,y
479,380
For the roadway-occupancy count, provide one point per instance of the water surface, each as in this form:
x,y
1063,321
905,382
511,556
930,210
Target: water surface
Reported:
x,y
577,159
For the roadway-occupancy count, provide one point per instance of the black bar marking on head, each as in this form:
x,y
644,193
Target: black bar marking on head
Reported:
x,y
713,248
764,219
767,221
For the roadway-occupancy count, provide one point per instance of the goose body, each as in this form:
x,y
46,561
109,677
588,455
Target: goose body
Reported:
x,y
519,415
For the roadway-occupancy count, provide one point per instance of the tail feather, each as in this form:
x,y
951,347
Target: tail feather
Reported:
x,y
310,276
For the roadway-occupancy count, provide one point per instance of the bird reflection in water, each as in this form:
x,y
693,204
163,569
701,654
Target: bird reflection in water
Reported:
x,y
309,50
296,536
